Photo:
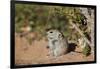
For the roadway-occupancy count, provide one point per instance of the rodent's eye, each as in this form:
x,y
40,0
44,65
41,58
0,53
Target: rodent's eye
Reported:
x,y
51,32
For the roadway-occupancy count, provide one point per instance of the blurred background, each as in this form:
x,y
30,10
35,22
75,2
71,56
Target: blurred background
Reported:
x,y
38,18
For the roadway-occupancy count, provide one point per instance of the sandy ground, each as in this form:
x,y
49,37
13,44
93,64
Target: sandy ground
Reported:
x,y
37,53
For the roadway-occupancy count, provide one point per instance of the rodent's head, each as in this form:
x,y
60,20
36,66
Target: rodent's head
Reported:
x,y
54,35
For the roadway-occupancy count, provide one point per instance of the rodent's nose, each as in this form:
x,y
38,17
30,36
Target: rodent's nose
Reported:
x,y
47,34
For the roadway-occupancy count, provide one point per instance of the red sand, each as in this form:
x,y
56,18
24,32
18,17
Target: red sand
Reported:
x,y
37,53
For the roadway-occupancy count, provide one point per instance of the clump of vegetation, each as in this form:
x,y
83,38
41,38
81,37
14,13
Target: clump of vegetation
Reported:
x,y
41,17
86,50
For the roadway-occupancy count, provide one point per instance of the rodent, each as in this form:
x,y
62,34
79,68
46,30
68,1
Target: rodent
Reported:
x,y
57,43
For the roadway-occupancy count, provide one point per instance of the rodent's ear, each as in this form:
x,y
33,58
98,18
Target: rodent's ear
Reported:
x,y
60,36
47,29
